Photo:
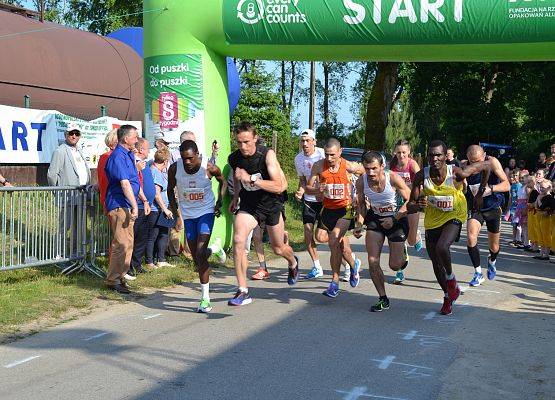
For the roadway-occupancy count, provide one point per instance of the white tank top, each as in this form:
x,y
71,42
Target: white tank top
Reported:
x,y
384,203
195,194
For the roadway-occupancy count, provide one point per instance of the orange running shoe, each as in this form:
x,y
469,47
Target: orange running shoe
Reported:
x,y
260,275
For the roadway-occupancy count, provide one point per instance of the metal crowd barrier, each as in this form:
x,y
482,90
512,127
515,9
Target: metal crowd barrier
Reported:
x,y
62,226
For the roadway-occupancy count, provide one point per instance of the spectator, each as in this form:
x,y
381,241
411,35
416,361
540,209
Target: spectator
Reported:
x,y
68,167
111,141
157,242
542,162
551,163
144,223
188,135
4,182
121,203
160,142
522,167
451,160
510,167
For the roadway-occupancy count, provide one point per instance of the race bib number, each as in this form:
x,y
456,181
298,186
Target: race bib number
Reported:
x,y
443,203
252,188
405,176
384,210
335,191
193,195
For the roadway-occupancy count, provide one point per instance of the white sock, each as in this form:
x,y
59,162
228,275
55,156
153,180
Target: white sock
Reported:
x,y
451,277
244,289
205,288
478,270
317,265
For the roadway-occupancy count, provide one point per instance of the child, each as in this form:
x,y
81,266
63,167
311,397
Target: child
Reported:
x,y
511,209
545,206
533,217
521,214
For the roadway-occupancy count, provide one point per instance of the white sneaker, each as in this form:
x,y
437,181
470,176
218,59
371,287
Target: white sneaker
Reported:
x,y
164,264
218,251
347,274
129,277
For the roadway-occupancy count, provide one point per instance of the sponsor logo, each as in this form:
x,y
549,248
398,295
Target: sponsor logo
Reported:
x,y
271,11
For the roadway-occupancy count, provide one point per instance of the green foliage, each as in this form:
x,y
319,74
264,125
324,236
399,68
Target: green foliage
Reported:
x,y
104,16
17,3
261,105
401,126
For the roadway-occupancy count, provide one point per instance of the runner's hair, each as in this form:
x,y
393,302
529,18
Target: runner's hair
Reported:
x,y
438,143
188,145
371,156
394,162
245,126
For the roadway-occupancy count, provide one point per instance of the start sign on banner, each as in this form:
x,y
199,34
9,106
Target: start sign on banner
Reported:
x,y
30,136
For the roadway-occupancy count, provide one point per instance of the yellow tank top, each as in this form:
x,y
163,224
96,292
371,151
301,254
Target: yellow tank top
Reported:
x,y
445,201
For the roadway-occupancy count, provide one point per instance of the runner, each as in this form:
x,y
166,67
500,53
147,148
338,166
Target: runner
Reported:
x,y
259,184
384,219
337,213
312,204
489,213
191,176
404,165
444,204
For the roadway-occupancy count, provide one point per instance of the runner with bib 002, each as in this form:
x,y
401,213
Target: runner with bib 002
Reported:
x,y
444,205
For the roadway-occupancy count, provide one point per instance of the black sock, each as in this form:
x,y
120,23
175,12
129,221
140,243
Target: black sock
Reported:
x,y
474,253
384,298
492,255
263,265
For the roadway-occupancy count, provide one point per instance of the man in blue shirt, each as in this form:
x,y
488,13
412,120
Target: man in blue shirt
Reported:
x,y
145,222
121,204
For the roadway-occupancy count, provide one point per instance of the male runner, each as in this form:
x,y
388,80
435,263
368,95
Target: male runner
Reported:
x,y
444,204
191,176
384,219
312,204
337,212
489,213
258,183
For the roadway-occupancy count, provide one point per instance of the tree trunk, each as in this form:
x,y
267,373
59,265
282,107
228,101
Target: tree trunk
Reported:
x,y
291,88
283,83
326,107
379,105
489,83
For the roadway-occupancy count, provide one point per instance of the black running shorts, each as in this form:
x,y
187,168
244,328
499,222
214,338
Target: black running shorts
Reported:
x,y
492,219
433,235
329,217
311,211
398,232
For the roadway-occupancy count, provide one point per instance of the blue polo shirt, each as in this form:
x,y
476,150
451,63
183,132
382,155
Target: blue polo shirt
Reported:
x,y
120,166
149,189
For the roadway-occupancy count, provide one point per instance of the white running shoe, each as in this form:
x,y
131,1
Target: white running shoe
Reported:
x,y
347,274
129,277
218,251
162,264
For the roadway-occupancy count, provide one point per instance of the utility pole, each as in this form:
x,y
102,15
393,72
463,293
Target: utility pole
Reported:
x,y
41,10
312,103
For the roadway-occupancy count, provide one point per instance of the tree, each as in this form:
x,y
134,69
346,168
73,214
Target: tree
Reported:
x,y
330,92
261,105
104,16
401,126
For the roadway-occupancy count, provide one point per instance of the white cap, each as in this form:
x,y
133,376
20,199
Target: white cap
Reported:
x,y
160,136
309,132
72,126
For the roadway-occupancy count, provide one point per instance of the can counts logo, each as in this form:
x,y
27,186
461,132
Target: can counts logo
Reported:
x,y
270,11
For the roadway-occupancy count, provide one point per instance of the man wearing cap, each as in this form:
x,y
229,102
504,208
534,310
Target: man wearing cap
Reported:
x,y
161,142
312,204
68,167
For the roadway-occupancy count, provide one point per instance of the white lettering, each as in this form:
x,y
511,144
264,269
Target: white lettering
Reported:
x,y
431,7
377,11
398,12
458,10
358,9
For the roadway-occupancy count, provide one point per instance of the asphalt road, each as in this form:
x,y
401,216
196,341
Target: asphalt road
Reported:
x,y
294,343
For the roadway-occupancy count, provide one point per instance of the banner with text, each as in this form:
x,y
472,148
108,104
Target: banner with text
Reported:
x,y
30,136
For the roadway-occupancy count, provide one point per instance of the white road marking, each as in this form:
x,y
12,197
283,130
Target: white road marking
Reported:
x,y
387,361
430,315
409,336
360,391
16,363
152,316
95,336
480,290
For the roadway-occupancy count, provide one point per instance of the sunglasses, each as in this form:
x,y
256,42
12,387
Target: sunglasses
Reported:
x,y
74,133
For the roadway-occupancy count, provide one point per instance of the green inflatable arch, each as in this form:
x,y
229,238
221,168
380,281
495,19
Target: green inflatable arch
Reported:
x,y
186,42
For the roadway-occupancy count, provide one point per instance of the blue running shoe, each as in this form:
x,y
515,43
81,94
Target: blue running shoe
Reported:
x,y
492,271
293,274
419,245
332,290
240,299
315,273
399,278
477,279
354,279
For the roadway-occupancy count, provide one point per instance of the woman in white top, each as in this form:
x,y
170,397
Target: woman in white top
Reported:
x,y
384,219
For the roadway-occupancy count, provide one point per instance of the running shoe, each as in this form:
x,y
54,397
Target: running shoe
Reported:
x,y
354,278
399,278
204,307
129,277
447,308
218,251
491,270
453,289
382,304
240,299
261,274
419,245
332,290
477,279
347,274
314,273
293,274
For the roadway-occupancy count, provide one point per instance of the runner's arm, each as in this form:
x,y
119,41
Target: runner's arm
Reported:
x,y
277,182
361,203
222,189
504,185
314,173
413,205
355,168
172,184
403,190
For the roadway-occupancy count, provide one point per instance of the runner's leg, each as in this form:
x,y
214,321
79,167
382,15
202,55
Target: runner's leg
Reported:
x,y
374,245
335,237
243,224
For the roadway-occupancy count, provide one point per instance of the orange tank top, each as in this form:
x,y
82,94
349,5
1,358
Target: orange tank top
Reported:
x,y
337,193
